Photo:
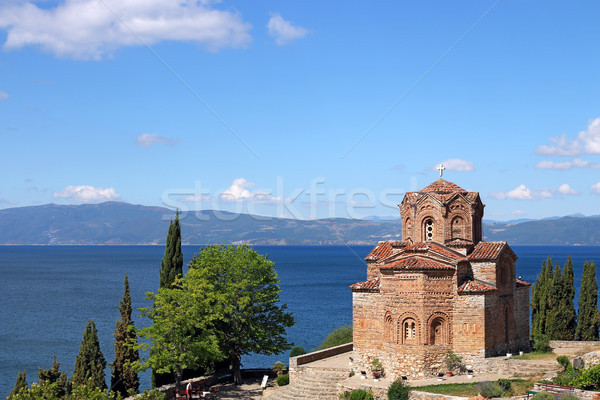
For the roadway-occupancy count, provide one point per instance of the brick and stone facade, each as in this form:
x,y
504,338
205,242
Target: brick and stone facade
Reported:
x,y
441,288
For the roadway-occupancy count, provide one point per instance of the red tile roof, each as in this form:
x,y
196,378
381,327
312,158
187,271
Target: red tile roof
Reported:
x,y
475,287
417,263
424,247
442,186
382,250
459,243
385,249
487,251
521,283
368,286
443,191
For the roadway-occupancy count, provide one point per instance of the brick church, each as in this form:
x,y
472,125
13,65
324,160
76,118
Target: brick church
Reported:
x,y
440,288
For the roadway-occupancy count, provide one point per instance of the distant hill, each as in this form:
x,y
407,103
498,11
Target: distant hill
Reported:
x,y
115,223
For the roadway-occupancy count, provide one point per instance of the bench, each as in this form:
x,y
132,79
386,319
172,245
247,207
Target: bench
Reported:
x,y
556,389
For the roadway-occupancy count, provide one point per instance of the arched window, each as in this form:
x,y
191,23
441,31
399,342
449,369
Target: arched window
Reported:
x,y
458,228
438,331
388,328
408,330
428,225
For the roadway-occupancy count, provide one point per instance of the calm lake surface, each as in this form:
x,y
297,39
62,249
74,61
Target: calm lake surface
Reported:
x,y
47,295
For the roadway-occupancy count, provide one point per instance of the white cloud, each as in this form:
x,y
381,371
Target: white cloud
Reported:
x,y
566,165
283,31
522,192
87,194
518,212
565,188
586,142
92,29
148,139
596,187
239,190
3,95
456,164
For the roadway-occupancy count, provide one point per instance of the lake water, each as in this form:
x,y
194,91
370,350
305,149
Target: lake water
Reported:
x,y
47,295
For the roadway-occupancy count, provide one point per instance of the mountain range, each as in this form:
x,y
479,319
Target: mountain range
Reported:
x,y
116,223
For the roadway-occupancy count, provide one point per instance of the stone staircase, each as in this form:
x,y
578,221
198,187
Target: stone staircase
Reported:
x,y
312,384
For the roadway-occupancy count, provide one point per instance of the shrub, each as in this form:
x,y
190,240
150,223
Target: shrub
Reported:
x,y
505,384
588,379
398,391
282,380
563,361
567,397
341,335
153,394
489,389
357,394
541,344
453,361
542,396
297,351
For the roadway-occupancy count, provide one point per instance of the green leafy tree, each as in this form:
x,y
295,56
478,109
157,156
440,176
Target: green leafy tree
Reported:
x,y
239,292
55,375
90,363
589,317
20,384
341,335
171,265
124,376
179,337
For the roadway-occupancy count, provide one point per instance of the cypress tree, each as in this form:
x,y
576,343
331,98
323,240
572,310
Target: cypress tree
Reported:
x,y
555,293
171,265
589,316
90,363
54,375
566,313
20,384
123,372
540,300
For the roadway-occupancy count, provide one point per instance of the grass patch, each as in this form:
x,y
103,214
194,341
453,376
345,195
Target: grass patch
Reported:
x,y
534,355
519,387
451,389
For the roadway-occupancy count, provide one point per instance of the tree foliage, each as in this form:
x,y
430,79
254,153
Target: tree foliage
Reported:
x,y
561,317
238,290
90,363
171,265
540,299
589,317
179,336
20,384
339,336
55,375
124,376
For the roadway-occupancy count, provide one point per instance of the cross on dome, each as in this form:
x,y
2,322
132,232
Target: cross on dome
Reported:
x,y
441,168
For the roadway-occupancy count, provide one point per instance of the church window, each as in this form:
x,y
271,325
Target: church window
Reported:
x,y
429,230
388,329
410,329
437,331
457,228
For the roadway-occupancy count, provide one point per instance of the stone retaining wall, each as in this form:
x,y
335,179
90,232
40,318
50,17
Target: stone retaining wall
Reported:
x,y
416,395
320,354
572,344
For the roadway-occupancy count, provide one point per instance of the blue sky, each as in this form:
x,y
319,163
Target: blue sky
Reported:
x,y
302,109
